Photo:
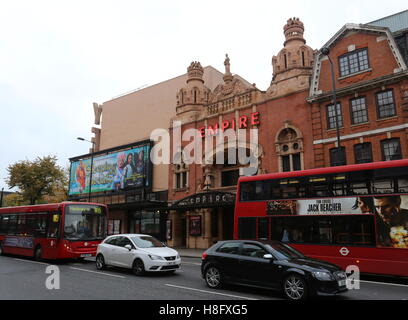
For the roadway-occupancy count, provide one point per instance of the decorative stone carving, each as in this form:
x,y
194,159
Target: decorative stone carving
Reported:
x,y
98,113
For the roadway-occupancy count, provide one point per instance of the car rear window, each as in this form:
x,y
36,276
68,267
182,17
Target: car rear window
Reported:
x,y
230,248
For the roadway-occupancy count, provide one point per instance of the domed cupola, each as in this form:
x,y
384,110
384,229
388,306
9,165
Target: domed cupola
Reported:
x,y
192,98
292,67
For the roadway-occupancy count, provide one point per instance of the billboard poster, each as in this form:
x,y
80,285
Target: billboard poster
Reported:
x,y
195,226
115,171
390,211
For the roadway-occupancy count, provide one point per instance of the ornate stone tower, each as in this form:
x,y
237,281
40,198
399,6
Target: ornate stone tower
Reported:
x,y
292,67
192,98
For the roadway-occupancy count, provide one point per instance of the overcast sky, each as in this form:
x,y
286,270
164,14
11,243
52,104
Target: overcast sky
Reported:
x,y
58,57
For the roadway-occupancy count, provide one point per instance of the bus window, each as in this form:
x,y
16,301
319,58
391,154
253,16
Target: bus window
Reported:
x,y
359,182
342,230
358,188
362,230
383,186
292,230
322,230
247,191
247,228
263,228
319,187
3,224
403,184
53,224
12,225
339,185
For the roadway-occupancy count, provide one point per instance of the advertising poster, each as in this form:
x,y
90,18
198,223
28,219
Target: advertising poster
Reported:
x,y
195,226
390,211
116,171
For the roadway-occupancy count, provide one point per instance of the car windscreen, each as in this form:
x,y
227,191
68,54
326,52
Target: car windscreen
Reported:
x,y
147,242
284,252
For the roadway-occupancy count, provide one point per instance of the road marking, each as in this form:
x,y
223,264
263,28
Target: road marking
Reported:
x,y
97,272
47,264
384,283
205,291
192,263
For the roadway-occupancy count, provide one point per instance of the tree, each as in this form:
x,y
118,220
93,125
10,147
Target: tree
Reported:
x,y
37,179
14,199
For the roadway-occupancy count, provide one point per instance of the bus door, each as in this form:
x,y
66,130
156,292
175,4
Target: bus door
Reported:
x,y
51,245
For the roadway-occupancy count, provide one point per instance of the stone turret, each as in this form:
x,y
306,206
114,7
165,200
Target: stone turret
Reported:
x,y
192,98
292,67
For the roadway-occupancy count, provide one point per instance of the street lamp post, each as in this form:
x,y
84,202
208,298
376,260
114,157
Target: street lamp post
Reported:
x,y
325,51
90,175
1,197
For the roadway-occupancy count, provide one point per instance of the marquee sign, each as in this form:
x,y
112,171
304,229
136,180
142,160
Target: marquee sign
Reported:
x,y
205,200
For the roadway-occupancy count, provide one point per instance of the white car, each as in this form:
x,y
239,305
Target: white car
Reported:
x,y
139,252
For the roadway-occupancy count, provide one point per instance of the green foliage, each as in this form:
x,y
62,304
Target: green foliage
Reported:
x,y
37,179
14,199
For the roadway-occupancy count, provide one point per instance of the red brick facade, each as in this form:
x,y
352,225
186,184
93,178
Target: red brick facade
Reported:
x,y
293,120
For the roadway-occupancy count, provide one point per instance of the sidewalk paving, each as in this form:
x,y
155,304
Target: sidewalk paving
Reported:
x,y
190,253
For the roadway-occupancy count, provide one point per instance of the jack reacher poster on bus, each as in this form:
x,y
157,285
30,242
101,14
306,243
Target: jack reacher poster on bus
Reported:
x,y
391,213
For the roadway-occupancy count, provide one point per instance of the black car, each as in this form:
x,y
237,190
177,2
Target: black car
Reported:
x,y
273,265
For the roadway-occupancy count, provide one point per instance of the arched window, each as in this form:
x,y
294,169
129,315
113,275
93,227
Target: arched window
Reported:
x,y
289,147
180,170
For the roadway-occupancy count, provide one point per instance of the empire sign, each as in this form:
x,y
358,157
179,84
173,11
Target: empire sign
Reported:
x,y
205,200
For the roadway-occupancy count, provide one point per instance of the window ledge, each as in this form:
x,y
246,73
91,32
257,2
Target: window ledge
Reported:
x,y
354,74
389,118
360,124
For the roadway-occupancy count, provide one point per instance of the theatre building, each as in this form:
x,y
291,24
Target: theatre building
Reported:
x,y
295,118
202,195
123,176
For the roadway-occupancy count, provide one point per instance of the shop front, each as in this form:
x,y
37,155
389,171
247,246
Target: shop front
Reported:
x,y
200,220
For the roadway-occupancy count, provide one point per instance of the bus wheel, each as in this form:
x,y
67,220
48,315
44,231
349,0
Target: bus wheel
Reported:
x,y
38,254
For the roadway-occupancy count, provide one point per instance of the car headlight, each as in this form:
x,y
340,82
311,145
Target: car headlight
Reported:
x,y
322,276
178,257
154,257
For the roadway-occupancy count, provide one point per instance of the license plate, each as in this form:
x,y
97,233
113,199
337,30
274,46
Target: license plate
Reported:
x,y
86,255
342,283
171,263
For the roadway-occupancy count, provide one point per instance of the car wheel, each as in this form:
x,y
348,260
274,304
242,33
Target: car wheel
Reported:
x,y
1,249
100,262
213,278
295,287
138,267
38,254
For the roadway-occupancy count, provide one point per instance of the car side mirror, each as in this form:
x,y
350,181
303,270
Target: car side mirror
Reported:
x,y
268,256
129,247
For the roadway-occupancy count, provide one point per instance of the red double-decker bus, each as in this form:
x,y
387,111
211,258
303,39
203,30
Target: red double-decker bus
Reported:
x,y
348,215
53,231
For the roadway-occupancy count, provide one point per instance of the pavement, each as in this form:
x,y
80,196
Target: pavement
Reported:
x,y
190,253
